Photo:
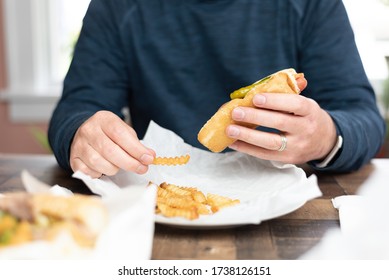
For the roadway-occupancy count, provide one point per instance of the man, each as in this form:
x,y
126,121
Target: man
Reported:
x,y
175,62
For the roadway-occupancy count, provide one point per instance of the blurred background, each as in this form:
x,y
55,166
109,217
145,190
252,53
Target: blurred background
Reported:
x,y
36,44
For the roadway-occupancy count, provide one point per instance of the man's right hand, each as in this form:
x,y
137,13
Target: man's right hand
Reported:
x,y
104,144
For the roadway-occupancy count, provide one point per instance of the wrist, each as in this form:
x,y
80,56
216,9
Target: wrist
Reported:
x,y
332,154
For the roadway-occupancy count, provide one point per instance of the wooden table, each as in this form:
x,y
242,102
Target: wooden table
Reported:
x,y
286,237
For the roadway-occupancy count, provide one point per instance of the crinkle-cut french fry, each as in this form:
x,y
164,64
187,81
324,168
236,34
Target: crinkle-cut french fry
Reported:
x,y
187,213
217,202
216,208
179,202
161,192
185,203
217,199
177,190
199,197
171,160
187,191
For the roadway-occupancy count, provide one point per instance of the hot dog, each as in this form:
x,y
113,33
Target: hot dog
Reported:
x,y
213,134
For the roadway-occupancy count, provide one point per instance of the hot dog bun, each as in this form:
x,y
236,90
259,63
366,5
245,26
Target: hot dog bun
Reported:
x,y
213,134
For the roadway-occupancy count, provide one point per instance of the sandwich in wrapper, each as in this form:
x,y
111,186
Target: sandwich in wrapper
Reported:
x,y
26,217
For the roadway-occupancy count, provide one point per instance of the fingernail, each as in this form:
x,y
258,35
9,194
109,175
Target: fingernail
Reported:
x,y
259,99
233,131
152,152
141,169
146,159
238,114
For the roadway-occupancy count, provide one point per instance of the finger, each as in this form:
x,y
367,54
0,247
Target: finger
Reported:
x,y
125,137
258,152
95,161
284,156
265,140
268,118
111,152
302,83
84,147
78,165
290,103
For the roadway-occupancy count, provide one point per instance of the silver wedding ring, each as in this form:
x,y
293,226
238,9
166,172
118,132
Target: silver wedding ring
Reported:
x,y
284,141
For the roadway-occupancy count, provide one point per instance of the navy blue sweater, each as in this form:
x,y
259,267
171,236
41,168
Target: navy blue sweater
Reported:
x,y
176,61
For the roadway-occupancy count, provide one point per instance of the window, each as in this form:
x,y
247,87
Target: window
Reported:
x,y
66,19
39,40
370,21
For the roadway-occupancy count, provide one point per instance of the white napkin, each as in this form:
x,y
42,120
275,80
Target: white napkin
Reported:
x,y
265,189
128,235
364,223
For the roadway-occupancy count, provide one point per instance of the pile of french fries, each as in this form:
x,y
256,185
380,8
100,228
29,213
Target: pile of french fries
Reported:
x,y
188,202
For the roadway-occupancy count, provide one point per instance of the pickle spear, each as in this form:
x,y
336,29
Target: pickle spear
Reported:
x,y
241,93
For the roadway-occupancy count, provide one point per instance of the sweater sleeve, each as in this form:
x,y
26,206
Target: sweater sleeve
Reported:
x,y
331,62
97,78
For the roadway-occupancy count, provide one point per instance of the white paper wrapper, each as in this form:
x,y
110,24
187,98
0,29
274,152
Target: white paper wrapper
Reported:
x,y
128,235
265,189
364,226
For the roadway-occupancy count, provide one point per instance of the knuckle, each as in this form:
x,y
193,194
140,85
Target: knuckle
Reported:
x,y
132,131
109,151
85,129
311,128
77,147
101,115
94,159
116,131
